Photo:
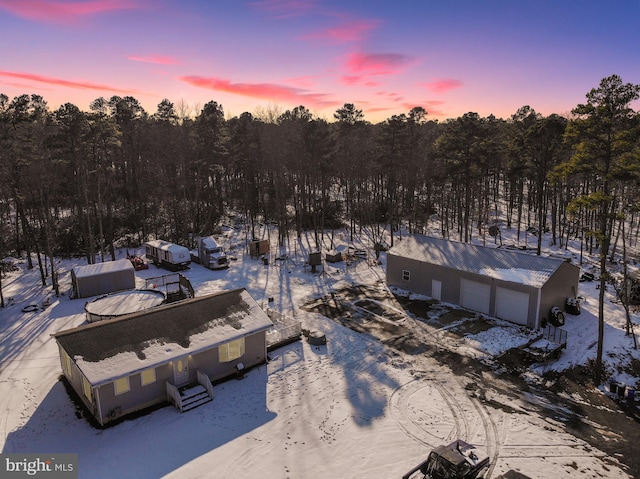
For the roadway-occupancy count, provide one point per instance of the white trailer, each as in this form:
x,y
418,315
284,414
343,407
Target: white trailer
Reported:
x,y
167,255
209,253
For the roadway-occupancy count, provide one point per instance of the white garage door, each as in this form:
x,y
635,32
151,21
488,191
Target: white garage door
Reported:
x,y
475,296
512,305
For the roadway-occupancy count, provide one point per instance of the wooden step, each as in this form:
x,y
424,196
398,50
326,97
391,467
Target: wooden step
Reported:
x,y
195,402
193,397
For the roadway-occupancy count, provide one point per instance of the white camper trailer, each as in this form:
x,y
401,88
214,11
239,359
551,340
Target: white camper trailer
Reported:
x,y
167,255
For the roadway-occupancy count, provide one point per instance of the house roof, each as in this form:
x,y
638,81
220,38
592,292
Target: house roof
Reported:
x,y
497,263
109,349
102,268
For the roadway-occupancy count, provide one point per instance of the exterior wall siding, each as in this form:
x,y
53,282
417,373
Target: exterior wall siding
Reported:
x,y
139,397
87,286
562,284
208,361
76,383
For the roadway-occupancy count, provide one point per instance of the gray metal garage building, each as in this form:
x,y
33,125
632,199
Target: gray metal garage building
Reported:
x,y
511,285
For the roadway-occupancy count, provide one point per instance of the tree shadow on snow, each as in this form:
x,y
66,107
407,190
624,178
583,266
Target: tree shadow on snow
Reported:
x,y
147,446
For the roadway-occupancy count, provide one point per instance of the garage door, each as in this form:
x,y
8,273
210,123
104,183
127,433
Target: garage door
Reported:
x,y
475,296
512,305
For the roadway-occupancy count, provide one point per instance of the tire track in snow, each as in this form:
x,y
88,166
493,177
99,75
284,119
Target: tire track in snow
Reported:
x,y
493,437
429,412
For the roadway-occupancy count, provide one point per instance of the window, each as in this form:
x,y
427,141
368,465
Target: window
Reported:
x,y
121,385
66,364
231,350
406,275
148,376
86,389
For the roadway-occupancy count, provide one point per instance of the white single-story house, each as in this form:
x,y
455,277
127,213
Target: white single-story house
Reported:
x,y
139,360
102,278
511,285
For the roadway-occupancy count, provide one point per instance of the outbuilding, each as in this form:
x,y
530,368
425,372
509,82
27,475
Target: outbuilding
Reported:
x,y
507,284
102,278
140,360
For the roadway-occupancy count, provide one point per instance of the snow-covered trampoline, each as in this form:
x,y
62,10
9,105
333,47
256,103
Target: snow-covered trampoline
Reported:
x,y
125,302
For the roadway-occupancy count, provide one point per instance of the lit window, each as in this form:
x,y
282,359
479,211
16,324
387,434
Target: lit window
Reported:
x,y
148,376
66,364
86,389
231,350
121,385
406,275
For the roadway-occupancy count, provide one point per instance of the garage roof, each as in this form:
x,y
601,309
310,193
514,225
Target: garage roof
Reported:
x,y
497,263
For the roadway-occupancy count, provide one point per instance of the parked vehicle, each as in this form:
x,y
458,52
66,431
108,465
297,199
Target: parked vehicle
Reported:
x,y
458,460
167,255
209,253
137,262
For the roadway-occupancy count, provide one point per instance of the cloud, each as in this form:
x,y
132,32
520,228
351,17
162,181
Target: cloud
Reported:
x,y
387,96
350,79
64,83
286,8
376,63
443,85
432,107
351,31
267,91
379,109
157,59
362,66
55,11
307,81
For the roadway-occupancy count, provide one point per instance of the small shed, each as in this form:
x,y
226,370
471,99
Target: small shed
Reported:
x,y
102,278
137,361
258,248
511,285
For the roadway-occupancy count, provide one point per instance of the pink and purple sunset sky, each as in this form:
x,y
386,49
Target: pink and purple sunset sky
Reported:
x,y
384,56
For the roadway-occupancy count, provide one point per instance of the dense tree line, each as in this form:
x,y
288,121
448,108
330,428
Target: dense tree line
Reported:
x,y
75,181
84,182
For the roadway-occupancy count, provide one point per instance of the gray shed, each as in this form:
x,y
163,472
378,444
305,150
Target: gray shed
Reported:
x,y
133,362
102,278
511,285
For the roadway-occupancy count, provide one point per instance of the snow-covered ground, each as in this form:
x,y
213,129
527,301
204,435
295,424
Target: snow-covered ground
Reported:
x,y
353,408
